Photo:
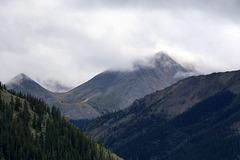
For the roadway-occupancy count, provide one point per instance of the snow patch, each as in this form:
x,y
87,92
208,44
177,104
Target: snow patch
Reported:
x,y
86,100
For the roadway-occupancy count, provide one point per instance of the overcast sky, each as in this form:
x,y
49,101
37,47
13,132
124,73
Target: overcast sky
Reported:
x,y
73,40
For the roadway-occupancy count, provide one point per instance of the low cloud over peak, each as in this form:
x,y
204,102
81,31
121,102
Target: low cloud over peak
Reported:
x,y
74,40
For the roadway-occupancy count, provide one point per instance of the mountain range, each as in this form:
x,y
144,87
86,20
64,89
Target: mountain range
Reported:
x,y
110,90
195,118
153,112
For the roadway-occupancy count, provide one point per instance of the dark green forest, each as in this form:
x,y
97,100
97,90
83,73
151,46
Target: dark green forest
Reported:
x,y
29,129
206,131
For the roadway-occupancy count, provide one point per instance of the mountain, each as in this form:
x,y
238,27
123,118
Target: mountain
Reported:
x,y
110,90
22,83
195,118
29,130
114,90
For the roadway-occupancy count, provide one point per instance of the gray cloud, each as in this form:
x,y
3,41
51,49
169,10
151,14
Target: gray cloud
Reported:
x,y
71,41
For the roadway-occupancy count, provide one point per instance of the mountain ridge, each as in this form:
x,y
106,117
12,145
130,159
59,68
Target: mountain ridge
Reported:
x,y
125,130
114,90
26,85
131,84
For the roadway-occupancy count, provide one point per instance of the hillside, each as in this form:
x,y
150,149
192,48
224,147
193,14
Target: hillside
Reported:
x,y
111,90
30,130
24,84
114,90
187,120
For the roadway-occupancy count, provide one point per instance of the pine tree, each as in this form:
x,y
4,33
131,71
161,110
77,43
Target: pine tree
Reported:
x,y
39,124
25,115
12,103
18,104
34,123
60,140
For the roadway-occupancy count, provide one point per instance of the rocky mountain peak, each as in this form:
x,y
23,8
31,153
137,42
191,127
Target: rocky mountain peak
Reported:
x,y
23,76
162,56
19,79
164,60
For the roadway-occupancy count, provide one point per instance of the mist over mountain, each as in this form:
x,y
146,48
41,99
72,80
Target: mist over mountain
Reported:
x,y
23,83
114,90
110,90
54,86
94,68
195,118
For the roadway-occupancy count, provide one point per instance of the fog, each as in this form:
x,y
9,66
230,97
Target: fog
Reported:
x,y
71,41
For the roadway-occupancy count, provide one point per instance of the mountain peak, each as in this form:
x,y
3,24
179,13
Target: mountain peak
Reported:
x,y
165,60
19,79
22,83
22,76
160,59
162,55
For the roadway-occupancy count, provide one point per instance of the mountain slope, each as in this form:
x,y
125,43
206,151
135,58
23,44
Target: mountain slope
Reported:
x,y
171,122
109,91
22,83
29,130
114,90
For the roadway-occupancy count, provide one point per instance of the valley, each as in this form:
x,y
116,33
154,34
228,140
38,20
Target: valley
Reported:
x,y
119,80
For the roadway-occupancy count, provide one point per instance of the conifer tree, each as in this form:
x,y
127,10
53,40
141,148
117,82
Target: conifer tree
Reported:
x,y
18,104
12,103
20,139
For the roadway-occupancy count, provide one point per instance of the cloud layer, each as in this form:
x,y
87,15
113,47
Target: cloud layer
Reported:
x,y
71,41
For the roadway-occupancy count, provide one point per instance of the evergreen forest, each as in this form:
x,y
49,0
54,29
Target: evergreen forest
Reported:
x,y
29,129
